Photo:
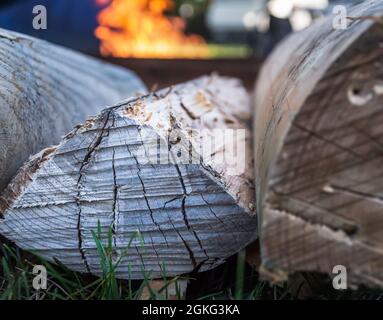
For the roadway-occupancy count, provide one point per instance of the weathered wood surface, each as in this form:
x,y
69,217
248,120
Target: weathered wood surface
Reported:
x,y
45,90
319,150
190,216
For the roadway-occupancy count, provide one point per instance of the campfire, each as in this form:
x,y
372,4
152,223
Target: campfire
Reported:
x,y
141,29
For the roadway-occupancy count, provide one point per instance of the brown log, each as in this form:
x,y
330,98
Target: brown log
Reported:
x,y
319,150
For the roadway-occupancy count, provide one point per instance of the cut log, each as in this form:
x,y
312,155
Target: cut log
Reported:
x,y
319,150
175,165
45,90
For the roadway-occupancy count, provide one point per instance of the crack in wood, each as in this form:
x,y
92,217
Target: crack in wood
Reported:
x,y
115,196
84,163
357,194
188,112
189,250
211,210
146,199
310,212
183,209
318,136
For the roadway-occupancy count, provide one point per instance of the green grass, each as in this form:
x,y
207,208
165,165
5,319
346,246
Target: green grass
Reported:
x,y
233,280
16,277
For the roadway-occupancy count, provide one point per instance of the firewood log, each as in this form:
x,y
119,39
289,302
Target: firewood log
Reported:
x,y
165,179
319,150
45,90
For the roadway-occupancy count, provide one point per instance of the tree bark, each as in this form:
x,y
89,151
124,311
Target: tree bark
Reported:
x,y
319,150
144,165
45,90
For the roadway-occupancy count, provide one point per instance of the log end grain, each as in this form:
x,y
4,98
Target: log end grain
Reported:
x,y
171,217
319,151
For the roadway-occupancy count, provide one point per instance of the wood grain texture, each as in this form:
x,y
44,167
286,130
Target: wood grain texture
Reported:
x,y
319,150
45,90
191,216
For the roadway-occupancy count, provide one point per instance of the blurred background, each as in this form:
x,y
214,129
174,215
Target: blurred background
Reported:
x,y
169,41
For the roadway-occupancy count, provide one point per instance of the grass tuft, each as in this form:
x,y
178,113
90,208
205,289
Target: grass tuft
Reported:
x,y
233,280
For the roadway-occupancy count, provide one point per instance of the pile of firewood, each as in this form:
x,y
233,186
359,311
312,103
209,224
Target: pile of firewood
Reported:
x,y
175,179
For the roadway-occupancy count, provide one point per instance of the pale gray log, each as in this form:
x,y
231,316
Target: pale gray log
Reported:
x,y
45,90
190,216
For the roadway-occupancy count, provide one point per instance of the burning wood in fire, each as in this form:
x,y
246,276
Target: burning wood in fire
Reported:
x,y
141,29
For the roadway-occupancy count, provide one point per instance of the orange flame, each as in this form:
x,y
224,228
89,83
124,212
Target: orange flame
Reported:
x,y
140,29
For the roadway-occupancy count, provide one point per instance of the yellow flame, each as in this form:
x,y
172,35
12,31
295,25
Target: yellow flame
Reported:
x,y
140,29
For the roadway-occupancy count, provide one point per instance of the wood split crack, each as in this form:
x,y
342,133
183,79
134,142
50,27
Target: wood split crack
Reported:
x,y
115,199
355,193
311,213
85,162
184,214
211,210
188,112
191,254
147,200
318,136
190,251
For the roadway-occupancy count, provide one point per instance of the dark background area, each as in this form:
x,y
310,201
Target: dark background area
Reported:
x,y
71,23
